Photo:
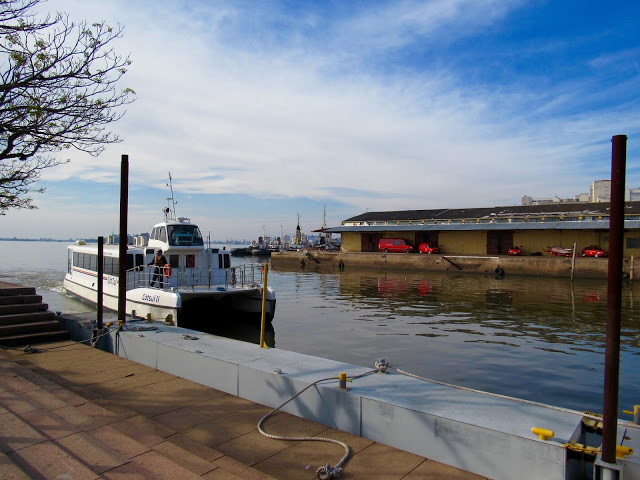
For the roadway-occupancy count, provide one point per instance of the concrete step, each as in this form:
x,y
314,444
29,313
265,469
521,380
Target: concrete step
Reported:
x,y
20,299
23,308
8,290
34,338
32,317
31,327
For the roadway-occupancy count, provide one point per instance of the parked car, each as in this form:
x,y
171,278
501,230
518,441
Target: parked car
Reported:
x,y
514,251
593,251
394,245
427,248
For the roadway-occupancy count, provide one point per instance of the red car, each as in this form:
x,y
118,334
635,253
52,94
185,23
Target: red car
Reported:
x,y
427,248
514,251
593,251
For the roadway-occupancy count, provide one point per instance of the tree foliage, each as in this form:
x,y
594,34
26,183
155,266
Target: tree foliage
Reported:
x,y
57,91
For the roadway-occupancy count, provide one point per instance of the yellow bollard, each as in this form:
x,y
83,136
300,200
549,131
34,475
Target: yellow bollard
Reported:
x,y
149,317
635,413
622,451
264,305
543,433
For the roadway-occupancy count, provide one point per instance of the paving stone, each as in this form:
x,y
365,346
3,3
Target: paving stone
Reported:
x,y
17,434
118,441
253,447
16,402
182,418
301,461
143,430
48,460
49,424
183,457
206,453
223,429
237,468
433,469
223,405
96,455
382,462
221,474
101,416
67,396
163,468
9,470
45,399
133,381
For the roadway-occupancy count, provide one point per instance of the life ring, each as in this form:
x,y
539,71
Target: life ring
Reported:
x,y
167,271
191,261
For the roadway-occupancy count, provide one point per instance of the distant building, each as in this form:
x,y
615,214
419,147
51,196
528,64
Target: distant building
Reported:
x,y
632,194
493,230
528,200
600,191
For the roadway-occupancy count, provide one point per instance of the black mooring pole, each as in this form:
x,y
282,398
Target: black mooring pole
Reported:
x,y
124,239
614,299
100,302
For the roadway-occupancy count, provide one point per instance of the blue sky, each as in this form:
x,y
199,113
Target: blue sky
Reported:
x,y
263,110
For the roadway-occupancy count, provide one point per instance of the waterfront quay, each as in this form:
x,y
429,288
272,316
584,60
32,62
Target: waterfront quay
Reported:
x,y
76,412
479,435
583,267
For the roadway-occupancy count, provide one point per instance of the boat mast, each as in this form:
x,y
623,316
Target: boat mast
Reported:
x,y
170,211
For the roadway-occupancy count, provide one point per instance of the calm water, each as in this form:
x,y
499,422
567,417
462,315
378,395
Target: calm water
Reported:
x,y
530,337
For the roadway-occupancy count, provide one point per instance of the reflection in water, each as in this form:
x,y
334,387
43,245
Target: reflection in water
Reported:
x,y
530,337
247,331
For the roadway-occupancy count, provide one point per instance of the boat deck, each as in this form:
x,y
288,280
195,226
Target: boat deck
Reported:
x,y
72,411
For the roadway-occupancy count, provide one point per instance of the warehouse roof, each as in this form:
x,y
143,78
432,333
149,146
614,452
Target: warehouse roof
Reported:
x,y
560,216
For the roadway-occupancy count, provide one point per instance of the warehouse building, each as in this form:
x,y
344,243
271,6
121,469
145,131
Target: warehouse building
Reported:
x,y
492,231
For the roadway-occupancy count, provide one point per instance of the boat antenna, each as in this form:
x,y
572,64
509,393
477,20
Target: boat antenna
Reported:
x,y
170,212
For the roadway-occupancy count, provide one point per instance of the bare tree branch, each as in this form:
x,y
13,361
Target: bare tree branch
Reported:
x,y
57,91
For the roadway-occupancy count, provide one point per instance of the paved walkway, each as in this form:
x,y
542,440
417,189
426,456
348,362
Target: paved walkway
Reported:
x,y
75,412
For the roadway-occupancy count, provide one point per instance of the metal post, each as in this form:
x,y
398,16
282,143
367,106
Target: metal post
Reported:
x,y
100,285
573,261
614,299
264,305
124,239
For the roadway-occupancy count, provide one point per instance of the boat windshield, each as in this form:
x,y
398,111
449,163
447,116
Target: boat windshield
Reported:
x,y
184,235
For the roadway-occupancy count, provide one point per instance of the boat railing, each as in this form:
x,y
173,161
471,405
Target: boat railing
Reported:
x,y
192,278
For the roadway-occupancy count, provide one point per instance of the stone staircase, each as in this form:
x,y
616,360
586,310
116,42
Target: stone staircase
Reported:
x,y
24,319
53,428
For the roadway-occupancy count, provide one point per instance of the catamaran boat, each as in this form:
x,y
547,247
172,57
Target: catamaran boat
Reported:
x,y
197,284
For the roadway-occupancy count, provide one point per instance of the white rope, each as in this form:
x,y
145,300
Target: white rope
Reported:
x,y
325,472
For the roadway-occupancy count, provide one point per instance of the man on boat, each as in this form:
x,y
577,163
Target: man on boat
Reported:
x,y
158,262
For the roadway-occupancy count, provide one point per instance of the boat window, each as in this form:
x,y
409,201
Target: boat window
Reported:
x,y
219,260
139,259
93,263
76,259
129,261
184,235
111,266
227,261
174,261
163,234
191,261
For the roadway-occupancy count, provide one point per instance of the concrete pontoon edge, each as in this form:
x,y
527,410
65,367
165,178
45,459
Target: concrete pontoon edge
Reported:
x,y
483,434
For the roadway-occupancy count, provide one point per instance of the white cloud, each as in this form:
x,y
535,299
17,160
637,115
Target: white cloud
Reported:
x,y
293,119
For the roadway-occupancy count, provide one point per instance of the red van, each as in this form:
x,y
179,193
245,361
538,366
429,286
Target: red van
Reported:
x,y
394,245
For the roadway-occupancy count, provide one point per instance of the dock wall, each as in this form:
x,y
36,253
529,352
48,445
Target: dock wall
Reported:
x,y
487,435
585,267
